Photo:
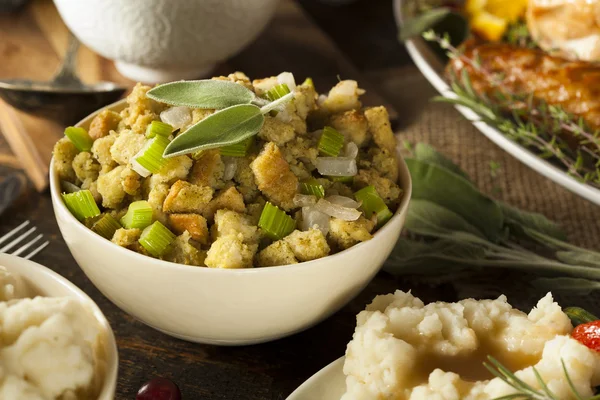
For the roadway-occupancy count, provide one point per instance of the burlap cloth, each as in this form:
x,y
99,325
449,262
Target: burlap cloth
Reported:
x,y
448,131
443,127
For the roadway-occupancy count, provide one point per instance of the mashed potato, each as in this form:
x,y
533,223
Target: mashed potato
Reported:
x,y
48,347
403,349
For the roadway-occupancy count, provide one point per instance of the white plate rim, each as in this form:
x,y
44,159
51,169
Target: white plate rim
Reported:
x,y
330,377
420,54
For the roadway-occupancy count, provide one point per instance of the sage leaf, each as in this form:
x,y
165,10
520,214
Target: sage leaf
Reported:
x,y
518,219
581,286
417,25
207,93
426,153
276,104
228,126
586,258
455,193
424,215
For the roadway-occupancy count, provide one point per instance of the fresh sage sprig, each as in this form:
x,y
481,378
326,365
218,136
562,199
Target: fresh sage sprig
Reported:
x,y
240,113
453,227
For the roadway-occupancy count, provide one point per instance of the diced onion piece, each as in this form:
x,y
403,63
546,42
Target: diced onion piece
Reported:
x,y
343,201
321,99
288,79
230,168
337,211
277,92
143,172
331,142
156,238
343,179
336,166
239,149
79,137
158,128
150,157
308,82
304,200
177,117
68,187
311,218
106,226
138,216
351,150
312,187
81,204
275,223
372,203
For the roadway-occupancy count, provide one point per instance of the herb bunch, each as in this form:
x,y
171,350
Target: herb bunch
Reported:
x,y
525,120
453,227
526,391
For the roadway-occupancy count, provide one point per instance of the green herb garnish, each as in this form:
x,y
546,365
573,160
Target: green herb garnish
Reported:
x,y
138,216
151,156
240,113
275,223
156,238
158,128
331,142
81,204
79,137
579,316
106,226
453,227
312,187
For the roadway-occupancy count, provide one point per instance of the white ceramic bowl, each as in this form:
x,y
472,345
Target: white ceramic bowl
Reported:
x,y
46,282
166,40
220,306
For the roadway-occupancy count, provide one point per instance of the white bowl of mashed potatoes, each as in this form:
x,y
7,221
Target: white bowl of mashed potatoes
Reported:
x,y
55,343
233,290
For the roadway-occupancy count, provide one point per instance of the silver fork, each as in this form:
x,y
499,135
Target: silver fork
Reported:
x,y
23,238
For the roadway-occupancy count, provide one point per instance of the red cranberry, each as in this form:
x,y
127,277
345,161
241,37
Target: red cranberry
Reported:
x,y
159,389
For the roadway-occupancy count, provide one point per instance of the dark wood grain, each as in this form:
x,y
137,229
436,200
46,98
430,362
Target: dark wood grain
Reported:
x,y
272,371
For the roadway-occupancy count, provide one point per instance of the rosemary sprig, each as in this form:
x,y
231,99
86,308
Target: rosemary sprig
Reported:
x,y
533,124
526,391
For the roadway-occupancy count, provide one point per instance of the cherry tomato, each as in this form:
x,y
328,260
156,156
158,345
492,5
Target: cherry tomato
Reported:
x,y
159,389
588,334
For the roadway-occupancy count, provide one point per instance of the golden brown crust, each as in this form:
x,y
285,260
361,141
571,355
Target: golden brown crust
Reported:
x,y
193,223
103,123
274,177
185,197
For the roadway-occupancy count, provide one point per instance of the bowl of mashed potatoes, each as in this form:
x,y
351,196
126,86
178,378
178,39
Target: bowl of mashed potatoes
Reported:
x,y
55,343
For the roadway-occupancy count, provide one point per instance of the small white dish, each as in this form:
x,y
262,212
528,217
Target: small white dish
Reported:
x,y
165,40
46,282
221,306
327,384
433,69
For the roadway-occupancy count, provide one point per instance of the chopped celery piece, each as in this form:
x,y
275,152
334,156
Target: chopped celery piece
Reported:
x,y
343,179
372,203
156,238
309,82
106,226
275,222
331,142
139,215
151,156
81,204
277,92
158,128
237,149
312,187
79,137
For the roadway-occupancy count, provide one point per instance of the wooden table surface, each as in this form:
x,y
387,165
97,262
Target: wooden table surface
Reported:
x,y
365,32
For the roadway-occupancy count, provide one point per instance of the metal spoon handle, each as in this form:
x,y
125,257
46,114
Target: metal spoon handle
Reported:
x,y
67,73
